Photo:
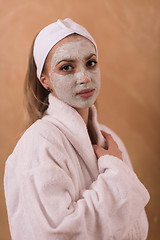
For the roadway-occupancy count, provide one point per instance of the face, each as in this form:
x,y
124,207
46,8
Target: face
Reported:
x,y
74,72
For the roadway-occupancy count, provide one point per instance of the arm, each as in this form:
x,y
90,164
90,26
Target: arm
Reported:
x,y
140,227
107,209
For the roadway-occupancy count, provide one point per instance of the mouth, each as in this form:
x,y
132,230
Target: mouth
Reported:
x,y
86,93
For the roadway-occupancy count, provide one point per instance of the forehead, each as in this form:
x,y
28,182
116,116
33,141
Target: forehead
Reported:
x,y
72,44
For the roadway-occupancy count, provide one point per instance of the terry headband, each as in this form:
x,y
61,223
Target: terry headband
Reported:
x,y
52,34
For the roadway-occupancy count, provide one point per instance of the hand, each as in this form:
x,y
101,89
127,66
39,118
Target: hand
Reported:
x,y
112,147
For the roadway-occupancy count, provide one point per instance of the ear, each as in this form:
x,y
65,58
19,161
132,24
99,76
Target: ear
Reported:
x,y
44,81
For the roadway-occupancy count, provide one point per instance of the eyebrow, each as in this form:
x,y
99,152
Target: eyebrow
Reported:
x,y
71,60
91,55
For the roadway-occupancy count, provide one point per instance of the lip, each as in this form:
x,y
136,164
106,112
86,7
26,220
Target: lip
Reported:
x,y
86,93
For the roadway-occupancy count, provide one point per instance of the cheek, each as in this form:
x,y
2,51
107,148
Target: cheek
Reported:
x,y
95,76
62,82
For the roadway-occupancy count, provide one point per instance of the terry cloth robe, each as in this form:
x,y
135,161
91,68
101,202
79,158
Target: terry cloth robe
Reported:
x,y
56,189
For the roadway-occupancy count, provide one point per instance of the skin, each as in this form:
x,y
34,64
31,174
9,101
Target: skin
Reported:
x,y
71,67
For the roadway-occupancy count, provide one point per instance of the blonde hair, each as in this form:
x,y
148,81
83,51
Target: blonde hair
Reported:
x,y
35,95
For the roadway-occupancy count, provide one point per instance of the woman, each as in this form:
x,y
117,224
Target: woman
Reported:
x,y
66,178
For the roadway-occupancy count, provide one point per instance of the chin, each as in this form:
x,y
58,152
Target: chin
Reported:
x,y
84,105
81,103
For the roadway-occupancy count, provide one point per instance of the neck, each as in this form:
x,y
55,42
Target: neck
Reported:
x,y
84,114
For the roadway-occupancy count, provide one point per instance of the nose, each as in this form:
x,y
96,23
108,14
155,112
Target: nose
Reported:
x,y
83,78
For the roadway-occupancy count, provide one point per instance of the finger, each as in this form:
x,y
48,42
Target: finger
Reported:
x,y
111,143
95,147
108,138
105,134
99,151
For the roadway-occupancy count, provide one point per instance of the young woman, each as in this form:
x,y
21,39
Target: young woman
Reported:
x,y
69,177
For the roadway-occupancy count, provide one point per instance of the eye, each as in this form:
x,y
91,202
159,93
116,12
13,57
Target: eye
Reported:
x,y
91,63
66,68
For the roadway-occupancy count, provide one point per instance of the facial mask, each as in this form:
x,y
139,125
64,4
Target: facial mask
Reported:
x,y
67,86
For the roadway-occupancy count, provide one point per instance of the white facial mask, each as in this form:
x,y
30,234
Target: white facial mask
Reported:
x,y
68,85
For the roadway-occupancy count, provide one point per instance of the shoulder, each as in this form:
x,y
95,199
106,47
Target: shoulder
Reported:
x,y
40,130
36,143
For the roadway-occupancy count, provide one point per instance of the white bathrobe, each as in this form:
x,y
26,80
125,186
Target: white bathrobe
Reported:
x,y
56,189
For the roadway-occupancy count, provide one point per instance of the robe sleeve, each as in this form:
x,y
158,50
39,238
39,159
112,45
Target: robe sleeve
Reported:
x,y
139,230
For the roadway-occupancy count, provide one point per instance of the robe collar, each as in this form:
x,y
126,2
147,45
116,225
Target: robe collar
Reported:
x,y
72,125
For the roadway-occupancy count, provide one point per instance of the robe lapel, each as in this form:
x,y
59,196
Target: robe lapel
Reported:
x,y
71,124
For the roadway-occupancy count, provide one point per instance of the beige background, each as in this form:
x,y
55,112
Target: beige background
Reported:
x,y
128,36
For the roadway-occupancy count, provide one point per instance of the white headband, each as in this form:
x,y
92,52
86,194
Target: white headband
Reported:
x,y
52,34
